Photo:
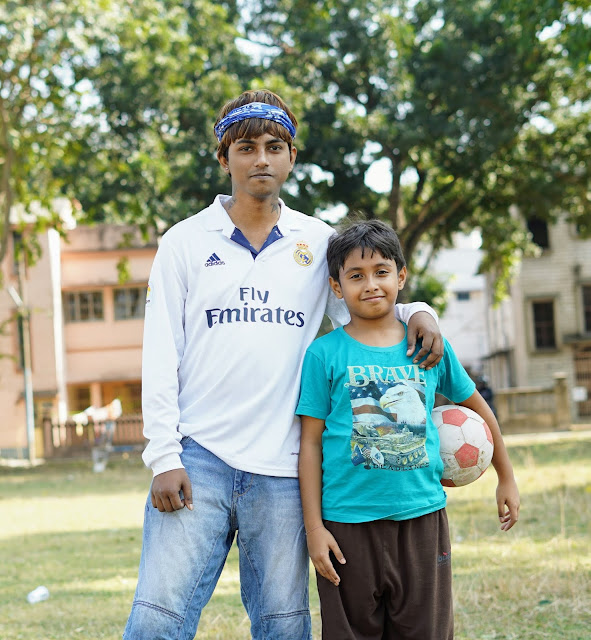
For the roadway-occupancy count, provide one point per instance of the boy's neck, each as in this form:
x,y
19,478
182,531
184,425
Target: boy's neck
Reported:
x,y
382,332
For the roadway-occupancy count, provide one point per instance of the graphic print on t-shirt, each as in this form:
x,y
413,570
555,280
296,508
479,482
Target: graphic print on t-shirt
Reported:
x,y
389,417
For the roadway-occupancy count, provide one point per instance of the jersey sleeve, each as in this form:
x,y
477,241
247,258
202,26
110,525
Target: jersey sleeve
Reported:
x,y
453,380
404,312
315,388
336,310
163,347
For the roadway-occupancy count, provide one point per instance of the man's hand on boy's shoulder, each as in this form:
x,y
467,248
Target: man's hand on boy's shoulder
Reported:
x,y
166,488
422,326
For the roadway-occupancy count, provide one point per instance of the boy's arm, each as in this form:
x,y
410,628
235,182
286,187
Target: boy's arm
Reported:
x,y
320,541
508,501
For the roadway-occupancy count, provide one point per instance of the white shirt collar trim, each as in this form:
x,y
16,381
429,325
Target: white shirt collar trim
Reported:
x,y
216,218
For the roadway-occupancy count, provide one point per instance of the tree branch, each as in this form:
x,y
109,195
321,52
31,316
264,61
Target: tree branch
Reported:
x,y
5,187
414,232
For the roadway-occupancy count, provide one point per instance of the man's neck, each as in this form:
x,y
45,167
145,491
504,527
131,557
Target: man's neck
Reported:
x,y
252,213
255,218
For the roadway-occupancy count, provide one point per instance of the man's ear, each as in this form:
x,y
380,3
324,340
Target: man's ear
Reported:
x,y
293,155
336,287
223,160
402,278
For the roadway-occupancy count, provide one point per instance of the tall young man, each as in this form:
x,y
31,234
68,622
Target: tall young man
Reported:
x,y
236,295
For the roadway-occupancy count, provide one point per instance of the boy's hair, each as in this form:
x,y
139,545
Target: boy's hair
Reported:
x,y
372,235
253,127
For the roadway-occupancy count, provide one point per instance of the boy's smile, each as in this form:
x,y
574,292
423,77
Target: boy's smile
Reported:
x,y
369,284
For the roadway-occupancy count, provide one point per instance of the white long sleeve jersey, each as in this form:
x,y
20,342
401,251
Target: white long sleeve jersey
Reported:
x,y
225,336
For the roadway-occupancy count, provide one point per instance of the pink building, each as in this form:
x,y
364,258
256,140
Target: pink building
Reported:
x,y
85,328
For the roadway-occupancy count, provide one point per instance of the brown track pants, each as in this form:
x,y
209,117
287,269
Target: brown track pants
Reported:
x,y
396,584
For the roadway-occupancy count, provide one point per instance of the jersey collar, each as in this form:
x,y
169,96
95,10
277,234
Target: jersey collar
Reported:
x,y
216,218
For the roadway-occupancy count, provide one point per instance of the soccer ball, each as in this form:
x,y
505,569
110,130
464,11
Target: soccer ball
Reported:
x,y
465,444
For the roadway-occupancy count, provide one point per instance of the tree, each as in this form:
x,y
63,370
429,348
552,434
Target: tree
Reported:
x,y
481,110
160,75
41,105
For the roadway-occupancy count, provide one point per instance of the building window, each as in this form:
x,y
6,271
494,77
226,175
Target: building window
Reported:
x,y
129,303
83,306
128,393
544,333
587,307
462,296
539,232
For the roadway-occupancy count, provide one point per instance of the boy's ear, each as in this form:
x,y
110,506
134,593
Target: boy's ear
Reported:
x,y
402,278
336,287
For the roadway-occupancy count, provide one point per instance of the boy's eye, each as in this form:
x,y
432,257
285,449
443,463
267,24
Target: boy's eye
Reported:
x,y
383,272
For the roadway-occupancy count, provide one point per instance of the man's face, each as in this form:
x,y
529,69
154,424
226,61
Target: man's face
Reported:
x,y
259,166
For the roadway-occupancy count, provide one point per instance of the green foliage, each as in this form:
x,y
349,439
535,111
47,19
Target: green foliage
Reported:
x,y
41,104
474,106
161,73
123,270
481,110
429,289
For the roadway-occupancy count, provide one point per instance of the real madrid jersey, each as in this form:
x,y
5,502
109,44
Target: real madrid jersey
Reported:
x,y
224,338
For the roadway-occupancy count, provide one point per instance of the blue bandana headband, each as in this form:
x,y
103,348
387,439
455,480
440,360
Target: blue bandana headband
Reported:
x,y
254,110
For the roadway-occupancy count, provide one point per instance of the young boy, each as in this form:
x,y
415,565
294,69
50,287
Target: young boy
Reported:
x,y
369,463
237,292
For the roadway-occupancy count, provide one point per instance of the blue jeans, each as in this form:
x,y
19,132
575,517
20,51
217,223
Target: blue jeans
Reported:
x,y
184,553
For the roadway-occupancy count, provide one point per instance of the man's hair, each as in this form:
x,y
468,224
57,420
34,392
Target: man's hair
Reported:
x,y
253,127
370,235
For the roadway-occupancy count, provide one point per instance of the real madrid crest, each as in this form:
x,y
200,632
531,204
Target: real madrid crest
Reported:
x,y
302,255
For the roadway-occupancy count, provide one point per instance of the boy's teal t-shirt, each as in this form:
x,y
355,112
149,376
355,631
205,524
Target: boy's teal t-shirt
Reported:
x,y
380,447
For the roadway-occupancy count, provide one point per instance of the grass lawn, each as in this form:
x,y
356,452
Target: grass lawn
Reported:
x,y
79,534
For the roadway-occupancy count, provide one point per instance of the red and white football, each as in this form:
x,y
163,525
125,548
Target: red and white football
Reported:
x,y
465,444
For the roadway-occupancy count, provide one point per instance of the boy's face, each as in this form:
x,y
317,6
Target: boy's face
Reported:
x,y
369,285
259,166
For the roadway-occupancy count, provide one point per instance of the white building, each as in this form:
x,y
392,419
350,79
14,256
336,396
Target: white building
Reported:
x,y
544,327
464,320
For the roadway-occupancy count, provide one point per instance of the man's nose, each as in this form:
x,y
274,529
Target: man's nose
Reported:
x,y
261,158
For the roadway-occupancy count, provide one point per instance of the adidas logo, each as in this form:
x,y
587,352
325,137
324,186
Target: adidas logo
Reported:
x,y
214,261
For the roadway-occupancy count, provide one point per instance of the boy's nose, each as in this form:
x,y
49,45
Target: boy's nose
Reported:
x,y
371,284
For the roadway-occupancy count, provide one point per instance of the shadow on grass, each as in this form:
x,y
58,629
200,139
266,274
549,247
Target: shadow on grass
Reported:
x,y
75,477
519,591
547,453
